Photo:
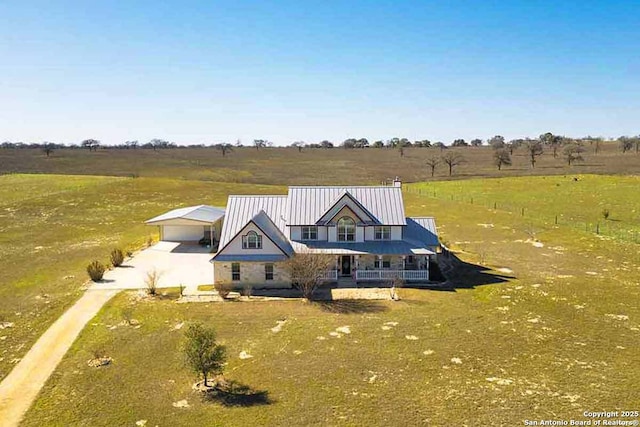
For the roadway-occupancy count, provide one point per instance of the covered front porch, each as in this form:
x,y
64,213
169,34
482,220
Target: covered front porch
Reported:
x,y
350,269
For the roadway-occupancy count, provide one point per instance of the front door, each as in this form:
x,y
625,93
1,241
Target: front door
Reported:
x,y
346,265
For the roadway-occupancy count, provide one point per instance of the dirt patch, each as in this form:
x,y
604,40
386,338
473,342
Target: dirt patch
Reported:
x,y
99,361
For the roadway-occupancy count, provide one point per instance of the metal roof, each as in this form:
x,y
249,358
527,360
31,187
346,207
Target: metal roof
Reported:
x,y
242,209
262,220
422,230
250,258
201,213
306,205
389,247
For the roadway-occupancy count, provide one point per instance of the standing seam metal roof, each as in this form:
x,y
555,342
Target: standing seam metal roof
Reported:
x,y
242,209
306,205
202,213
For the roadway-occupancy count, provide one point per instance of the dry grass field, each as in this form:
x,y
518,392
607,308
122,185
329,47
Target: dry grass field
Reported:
x,y
286,166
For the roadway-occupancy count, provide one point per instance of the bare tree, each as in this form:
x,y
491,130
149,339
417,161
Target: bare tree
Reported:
x,y
224,148
501,157
203,354
534,149
573,153
91,144
626,143
131,144
433,162
259,143
48,147
452,159
307,271
299,145
554,141
496,142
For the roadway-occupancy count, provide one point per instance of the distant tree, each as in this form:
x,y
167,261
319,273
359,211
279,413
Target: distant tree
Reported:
x,y
378,144
514,144
459,143
203,354
91,144
158,143
307,271
239,143
326,144
404,142
553,141
636,141
496,142
534,149
501,157
362,143
573,153
432,163
224,148
424,143
440,145
398,142
626,143
299,145
476,142
259,143
7,144
131,144
349,143
452,159
48,147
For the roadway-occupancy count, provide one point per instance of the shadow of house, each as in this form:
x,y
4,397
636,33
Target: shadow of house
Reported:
x,y
236,394
464,275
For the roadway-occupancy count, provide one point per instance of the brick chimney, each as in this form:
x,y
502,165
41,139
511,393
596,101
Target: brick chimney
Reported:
x,y
397,182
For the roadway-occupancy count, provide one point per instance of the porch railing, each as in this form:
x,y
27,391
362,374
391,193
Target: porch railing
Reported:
x,y
391,274
330,275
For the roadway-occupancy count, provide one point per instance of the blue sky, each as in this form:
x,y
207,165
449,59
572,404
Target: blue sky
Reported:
x,y
209,71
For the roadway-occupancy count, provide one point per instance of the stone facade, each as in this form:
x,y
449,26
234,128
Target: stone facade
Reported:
x,y
252,274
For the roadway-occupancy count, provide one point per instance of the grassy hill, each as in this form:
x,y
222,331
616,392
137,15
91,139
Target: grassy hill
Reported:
x,y
287,166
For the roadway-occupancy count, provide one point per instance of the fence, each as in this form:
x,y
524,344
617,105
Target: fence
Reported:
x,y
624,232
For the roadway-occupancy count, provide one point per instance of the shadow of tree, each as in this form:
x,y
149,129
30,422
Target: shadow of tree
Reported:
x,y
232,393
351,306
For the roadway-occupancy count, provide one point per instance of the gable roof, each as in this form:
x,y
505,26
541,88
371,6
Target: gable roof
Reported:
x,y
422,230
306,205
343,201
200,213
267,212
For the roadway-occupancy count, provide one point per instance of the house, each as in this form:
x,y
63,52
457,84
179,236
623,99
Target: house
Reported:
x,y
192,224
364,227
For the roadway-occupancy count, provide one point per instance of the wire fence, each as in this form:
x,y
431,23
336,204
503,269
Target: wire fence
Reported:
x,y
607,228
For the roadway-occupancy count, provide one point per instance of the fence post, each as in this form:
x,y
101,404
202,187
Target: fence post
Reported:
x,y
556,219
472,200
598,228
522,211
494,205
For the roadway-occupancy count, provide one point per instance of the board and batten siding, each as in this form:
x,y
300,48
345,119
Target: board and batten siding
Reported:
x,y
296,233
235,246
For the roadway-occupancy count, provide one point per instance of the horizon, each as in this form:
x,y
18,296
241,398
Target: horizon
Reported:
x,y
206,73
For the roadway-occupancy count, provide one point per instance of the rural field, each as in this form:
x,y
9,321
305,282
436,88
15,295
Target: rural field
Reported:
x,y
543,321
287,166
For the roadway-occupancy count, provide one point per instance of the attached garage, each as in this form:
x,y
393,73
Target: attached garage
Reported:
x,y
190,225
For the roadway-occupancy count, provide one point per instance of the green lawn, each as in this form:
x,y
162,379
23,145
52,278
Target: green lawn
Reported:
x,y
544,331
52,226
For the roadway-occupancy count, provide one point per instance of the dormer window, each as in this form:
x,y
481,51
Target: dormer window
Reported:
x,y
346,229
382,232
310,233
252,240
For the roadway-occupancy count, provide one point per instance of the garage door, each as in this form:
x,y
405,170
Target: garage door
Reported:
x,y
182,233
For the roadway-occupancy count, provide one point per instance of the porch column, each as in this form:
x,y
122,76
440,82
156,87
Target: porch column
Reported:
x,y
379,262
404,262
357,261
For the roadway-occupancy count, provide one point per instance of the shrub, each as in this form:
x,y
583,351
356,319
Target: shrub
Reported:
x,y
606,213
223,288
247,290
117,257
151,281
96,270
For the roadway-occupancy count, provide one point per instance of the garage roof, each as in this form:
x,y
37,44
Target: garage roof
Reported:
x,y
201,213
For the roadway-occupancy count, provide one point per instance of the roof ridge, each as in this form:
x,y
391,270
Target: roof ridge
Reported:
x,y
258,195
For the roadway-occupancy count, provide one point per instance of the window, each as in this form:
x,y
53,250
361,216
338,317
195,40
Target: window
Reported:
x,y
382,232
235,271
252,240
385,262
310,233
268,272
346,229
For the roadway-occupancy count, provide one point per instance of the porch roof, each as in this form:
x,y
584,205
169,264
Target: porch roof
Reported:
x,y
393,247
249,258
